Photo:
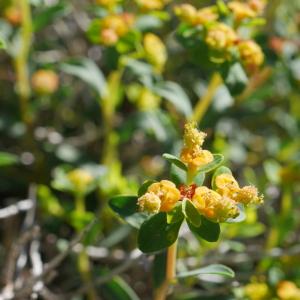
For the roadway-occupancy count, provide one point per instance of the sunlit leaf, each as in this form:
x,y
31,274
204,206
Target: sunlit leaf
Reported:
x,y
215,269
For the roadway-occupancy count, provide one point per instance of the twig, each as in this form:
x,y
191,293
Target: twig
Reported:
x,y
14,209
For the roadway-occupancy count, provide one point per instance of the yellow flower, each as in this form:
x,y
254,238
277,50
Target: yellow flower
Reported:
x,y
44,82
257,5
13,15
220,37
205,15
227,186
155,51
107,3
288,290
109,37
149,202
257,291
148,5
213,206
196,158
147,100
167,192
192,136
241,10
186,12
251,54
80,179
192,154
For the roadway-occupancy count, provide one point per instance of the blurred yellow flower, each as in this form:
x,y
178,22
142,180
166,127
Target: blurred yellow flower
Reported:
x,y
155,51
213,206
80,179
220,37
251,54
257,291
13,15
241,10
205,15
288,290
186,12
148,5
44,82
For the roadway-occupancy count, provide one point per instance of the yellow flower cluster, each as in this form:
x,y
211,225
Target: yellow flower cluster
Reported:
x,y
246,10
220,37
160,196
148,5
113,27
257,291
192,153
80,179
251,54
44,82
288,290
227,186
213,206
155,51
189,14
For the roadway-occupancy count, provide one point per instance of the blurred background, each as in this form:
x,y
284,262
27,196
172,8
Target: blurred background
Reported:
x,y
86,116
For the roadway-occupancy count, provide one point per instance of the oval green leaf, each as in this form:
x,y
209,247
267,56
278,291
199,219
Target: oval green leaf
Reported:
x,y
174,160
191,213
156,234
218,159
215,269
208,230
124,205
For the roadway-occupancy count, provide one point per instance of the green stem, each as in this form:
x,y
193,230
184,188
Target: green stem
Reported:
x,y
21,60
83,261
205,101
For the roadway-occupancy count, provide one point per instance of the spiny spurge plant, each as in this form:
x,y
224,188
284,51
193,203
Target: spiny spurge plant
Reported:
x,y
161,207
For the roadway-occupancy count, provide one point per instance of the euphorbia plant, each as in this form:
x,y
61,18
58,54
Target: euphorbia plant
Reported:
x,y
160,208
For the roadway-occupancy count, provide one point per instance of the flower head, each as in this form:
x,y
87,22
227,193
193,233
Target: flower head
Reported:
x,y
227,186
192,154
165,191
220,37
205,15
241,10
149,202
148,5
251,54
213,206
257,291
288,290
186,12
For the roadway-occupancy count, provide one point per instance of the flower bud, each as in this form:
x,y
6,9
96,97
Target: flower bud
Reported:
x,y
44,82
226,184
196,158
155,51
167,192
241,10
220,37
251,54
186,12
149,202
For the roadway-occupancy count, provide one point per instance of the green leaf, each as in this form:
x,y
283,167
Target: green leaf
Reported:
x,y
7,159
156,234
137,219
215,269
235,78
219,171
86,70
191,213
47,15
175,215
124,205
2,43
174,160
208,230
174,93
199,179
218,159
144,187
